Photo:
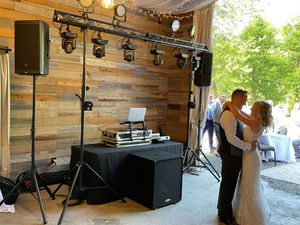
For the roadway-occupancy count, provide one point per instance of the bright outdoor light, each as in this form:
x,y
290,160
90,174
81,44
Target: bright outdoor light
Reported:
x,y
107,3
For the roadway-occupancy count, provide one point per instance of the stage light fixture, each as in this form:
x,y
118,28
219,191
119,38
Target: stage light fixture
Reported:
x,y
157,61
108,4
196,62
120,13
175,25
99,46
86,3
129,51
181,60
68,42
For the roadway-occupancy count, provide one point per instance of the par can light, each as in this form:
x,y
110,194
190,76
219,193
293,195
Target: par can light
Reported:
x,y
181,60
129,51
99,46
157,61
68,42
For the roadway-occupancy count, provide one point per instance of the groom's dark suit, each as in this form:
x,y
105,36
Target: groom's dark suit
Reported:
x,y
231,165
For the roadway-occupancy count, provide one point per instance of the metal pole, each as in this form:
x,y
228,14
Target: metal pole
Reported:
x,y
83,90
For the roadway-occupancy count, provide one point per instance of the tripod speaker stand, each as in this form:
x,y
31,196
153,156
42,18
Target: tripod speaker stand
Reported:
x,y
32,173
195,154
79,166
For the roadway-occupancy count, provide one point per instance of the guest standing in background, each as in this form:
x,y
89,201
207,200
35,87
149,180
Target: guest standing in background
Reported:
x,y
209,123
217,113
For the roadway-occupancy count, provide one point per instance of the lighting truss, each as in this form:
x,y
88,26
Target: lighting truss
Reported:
x,y
97,25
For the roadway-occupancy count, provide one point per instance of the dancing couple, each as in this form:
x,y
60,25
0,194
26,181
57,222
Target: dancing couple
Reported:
x,y
241,196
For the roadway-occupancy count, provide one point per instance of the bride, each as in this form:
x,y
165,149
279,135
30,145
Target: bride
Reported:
x,y
251,206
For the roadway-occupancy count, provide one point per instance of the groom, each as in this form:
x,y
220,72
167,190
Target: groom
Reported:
x,y
230,150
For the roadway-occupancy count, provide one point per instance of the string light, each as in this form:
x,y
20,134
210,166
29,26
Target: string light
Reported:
x,y
166,14
108,4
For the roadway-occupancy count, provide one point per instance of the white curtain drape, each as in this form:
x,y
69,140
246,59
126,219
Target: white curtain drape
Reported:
x,y
182,6
4,115
203,24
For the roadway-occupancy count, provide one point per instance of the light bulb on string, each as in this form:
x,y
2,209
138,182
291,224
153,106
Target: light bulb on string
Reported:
x,y
108,4
165,14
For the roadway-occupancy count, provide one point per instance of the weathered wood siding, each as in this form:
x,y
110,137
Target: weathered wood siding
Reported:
x,y
115,85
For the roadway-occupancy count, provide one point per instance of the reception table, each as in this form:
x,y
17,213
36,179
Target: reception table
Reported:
x,y
283,147
112,165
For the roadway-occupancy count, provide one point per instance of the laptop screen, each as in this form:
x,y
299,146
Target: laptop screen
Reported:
x,y
136,114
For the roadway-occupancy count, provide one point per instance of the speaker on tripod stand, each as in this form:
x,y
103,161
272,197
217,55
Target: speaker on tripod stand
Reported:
x,y
201,71
32,58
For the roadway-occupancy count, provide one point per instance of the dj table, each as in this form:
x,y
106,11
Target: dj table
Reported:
x,y
112,165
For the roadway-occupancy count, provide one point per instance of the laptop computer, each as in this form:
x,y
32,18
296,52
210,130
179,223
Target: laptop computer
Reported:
x,y
136,114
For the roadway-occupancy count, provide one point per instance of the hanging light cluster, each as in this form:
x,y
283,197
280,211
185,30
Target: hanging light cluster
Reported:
x,y
69,38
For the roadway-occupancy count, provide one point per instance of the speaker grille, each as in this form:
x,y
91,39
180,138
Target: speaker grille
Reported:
x,y
31,47
203,74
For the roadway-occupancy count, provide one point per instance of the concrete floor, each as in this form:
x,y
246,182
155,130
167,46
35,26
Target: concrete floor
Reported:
x,y
197,207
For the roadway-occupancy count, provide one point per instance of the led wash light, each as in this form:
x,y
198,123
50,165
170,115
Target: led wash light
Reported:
x,y
99,46
68,42
157,61
129,51
181,60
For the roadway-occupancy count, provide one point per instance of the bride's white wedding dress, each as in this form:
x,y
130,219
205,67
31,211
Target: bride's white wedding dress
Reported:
x,y
251,206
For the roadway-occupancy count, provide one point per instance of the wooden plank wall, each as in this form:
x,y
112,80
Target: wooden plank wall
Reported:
x,y
115,85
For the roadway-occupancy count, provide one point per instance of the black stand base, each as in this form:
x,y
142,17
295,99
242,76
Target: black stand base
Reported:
x,y
33,173
195,157
79,168
34,176
192,105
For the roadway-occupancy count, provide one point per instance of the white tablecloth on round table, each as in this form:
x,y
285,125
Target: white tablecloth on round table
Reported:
x,y
283,147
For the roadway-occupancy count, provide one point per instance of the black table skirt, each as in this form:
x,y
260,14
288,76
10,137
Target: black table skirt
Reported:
x,y
112,165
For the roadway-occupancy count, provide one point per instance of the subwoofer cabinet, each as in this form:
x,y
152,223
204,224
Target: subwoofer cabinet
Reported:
x,y
156,178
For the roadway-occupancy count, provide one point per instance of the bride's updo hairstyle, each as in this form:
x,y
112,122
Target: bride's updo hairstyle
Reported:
x,y
264,112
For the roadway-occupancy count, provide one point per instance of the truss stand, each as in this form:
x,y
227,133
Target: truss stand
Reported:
x,y
122,31
188,162
79,166
32,173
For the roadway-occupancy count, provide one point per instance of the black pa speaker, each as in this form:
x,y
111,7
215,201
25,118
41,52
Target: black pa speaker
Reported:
x,y
31,47
156,178
202,76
